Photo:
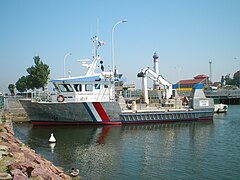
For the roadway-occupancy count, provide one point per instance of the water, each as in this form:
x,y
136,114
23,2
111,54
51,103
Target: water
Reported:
x,y
207,150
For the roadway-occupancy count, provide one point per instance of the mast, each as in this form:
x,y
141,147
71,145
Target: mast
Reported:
x,y
95,56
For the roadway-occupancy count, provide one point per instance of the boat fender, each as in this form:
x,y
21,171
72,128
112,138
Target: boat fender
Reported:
x,y
60,98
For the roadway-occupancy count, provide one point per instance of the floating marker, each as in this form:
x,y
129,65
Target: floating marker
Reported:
x,y
52,139
52,146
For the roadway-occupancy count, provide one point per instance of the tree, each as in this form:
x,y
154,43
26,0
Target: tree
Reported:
x,y
38,74
21,84
236,78
230,81
11,88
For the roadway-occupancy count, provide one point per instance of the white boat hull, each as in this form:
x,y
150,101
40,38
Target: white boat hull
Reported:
x,y
220,108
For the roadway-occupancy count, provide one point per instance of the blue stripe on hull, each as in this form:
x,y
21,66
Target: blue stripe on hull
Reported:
x,y
89,112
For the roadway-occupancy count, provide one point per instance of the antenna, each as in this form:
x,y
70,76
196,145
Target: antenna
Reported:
x,y
97,26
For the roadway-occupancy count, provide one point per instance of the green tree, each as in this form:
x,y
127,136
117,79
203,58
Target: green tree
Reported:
x,y
236,78
21,84
11,88
229,80
38,74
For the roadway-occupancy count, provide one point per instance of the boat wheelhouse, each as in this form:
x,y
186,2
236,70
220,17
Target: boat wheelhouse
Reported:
x,y
83,89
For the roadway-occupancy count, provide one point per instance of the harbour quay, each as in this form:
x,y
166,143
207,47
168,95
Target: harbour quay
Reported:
x,y
12,106
225,96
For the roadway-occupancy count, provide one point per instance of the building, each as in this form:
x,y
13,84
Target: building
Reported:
x,y
188,84
185,86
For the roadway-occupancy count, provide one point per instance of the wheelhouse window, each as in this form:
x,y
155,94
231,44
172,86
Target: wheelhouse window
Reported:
x,y
78,87
65,88
88,87
97,86
55,87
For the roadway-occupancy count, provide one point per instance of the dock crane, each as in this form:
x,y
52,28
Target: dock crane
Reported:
x,y
148,73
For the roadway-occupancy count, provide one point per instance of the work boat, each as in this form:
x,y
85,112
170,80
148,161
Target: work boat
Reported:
x,y
91,99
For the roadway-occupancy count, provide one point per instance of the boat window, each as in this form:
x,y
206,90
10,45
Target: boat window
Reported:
x,y
65,88
88,87
105,86
56,87
97,86
78,87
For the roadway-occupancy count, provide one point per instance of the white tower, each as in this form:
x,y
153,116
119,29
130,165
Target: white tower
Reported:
x,y
210,71
156,70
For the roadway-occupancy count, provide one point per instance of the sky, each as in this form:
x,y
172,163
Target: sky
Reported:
x,y
186,34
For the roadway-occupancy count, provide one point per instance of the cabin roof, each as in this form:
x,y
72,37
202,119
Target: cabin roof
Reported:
x,y
77,79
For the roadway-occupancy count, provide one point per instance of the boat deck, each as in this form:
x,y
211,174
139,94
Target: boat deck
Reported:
x,y
142,108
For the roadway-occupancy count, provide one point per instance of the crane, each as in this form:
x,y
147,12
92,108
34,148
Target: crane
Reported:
x,y
148,73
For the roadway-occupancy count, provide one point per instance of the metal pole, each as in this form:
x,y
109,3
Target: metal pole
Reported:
x,y
113,61
64,63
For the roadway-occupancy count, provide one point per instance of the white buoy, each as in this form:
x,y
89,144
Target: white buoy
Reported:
x,y
52,139
52,146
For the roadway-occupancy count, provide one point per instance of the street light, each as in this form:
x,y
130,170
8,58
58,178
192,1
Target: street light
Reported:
x,y
64,63
122,21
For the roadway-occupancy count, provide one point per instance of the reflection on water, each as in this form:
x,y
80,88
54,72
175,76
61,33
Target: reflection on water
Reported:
x,y
178,150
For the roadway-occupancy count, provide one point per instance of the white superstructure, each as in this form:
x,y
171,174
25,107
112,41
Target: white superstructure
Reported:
x,y
91,87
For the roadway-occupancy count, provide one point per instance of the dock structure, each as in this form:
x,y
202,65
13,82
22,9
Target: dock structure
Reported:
x,y
224,96
14,108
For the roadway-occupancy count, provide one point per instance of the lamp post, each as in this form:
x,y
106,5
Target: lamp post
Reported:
x,y
64,63
122,21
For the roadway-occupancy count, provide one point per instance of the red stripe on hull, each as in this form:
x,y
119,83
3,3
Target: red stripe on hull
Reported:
x,y
101,111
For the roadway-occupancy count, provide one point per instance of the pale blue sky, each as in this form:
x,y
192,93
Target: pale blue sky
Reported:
x,y
185,34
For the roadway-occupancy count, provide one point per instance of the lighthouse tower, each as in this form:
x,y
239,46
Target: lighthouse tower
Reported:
x,y
210,71
156,70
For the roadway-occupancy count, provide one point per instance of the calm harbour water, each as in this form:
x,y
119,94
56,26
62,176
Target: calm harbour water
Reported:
x,y
206,150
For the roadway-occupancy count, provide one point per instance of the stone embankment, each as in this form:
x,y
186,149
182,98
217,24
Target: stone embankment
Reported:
x,y
15,110
19,162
